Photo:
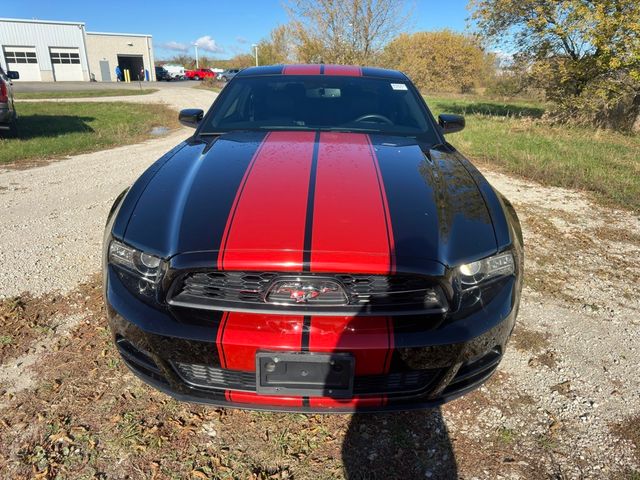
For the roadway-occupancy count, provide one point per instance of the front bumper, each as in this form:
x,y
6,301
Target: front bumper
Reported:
x,y
401,362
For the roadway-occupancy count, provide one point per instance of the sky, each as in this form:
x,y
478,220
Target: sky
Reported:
x,y
221,28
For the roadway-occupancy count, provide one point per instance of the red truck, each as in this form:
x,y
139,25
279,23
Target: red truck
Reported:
x,y
199,74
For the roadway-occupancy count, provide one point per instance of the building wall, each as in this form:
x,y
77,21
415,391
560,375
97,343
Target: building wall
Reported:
x,y
107,47
43,36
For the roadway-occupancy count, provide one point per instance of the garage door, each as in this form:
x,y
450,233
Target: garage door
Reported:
x,y
66,64
24,61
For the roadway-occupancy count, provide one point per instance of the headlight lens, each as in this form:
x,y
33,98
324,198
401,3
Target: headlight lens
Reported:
x,y
474,273
147,268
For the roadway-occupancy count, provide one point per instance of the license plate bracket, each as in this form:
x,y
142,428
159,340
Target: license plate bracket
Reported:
x,y
305,374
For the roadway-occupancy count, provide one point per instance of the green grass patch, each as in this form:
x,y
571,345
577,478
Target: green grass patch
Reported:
x,y
506,435
512,136
50,130
115,92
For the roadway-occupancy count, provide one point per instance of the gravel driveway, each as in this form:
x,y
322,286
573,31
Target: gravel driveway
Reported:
x,y
569,382
52,217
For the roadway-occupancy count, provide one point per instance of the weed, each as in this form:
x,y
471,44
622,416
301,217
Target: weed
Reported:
x,y
113,363
546,442
506,435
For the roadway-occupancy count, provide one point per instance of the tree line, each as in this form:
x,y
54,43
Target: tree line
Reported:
x,y
582,55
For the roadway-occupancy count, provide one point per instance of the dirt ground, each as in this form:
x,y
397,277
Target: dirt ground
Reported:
x,y
565,402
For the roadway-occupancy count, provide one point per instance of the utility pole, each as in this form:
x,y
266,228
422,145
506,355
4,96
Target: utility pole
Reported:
x,y
256,48
197,64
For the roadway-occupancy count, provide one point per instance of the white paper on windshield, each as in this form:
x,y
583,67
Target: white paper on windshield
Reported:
x,y
398,86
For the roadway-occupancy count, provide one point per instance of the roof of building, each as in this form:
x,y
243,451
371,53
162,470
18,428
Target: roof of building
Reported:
x,y
35,20
115,34
56,22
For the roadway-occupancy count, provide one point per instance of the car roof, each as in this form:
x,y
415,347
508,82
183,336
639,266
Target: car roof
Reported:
x,y
324,69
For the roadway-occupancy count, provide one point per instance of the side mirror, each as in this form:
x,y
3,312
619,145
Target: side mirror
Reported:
x,y
451,123
13,75
190,117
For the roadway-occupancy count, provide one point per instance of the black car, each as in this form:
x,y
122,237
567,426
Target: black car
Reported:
x,y
316,245
8,116
162,74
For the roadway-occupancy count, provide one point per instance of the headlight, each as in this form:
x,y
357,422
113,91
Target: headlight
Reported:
x,y
146,269
474,273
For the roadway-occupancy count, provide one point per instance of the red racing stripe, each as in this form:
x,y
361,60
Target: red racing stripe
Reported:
x,y
250,397
223,323
243,334
266,226
368,339
351,224
301,70
343,70
385,204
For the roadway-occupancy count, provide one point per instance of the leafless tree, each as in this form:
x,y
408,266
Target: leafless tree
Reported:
x,y
347,31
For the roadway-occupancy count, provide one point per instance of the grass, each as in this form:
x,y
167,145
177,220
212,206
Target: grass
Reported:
x,y
513,136
506,435
49,130
210,84
84,93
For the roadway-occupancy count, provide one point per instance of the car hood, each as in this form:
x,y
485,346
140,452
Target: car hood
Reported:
x,y
309,201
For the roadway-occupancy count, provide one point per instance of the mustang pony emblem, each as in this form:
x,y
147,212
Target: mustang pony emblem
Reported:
x,y
305,291
304,294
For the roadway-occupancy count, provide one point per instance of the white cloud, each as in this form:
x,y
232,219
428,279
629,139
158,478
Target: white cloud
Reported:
x,y
241,40
208,44
177,46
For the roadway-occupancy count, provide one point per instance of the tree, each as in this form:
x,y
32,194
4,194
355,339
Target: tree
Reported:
x,y
584,53
345,31
439,61
277,48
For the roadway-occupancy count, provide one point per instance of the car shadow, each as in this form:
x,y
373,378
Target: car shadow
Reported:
x,y
406,445
494,109
38,126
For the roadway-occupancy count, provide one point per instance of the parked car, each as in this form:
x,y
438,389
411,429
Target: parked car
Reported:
x,y
162,74
228,74
199,74
8,116
175,71
316,245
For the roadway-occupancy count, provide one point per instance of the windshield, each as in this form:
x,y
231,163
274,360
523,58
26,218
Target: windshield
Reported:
x,y
312,102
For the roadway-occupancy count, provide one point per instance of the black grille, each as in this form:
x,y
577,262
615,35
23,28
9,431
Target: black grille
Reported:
x,y
366,294
210,377
204,376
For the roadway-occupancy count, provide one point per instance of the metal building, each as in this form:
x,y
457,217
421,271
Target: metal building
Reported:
x,y
130,51
49,51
